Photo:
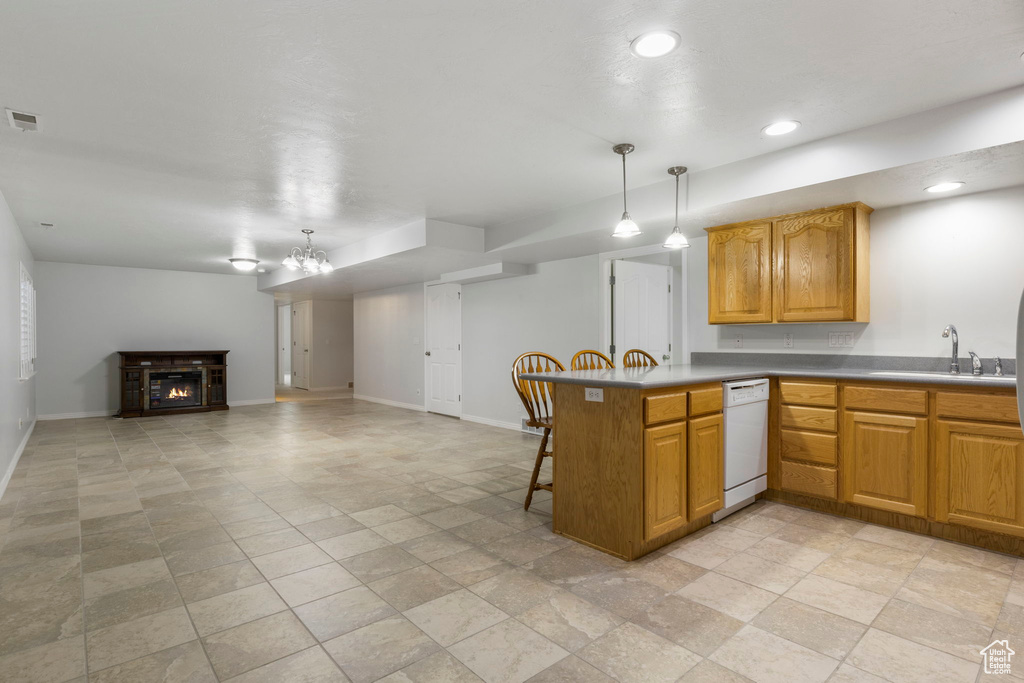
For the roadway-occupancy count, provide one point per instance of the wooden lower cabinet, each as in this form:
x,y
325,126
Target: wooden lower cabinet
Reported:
x,y
665,476
979,476
705,466
885,462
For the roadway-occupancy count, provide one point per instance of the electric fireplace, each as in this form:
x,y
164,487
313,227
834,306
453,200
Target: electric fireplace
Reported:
x,y
169,382
175,389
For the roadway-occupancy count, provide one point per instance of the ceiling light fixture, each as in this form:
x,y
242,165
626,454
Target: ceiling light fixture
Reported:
x,y
944,187
626,226
676,239
654,44
244,264
310,259
780,127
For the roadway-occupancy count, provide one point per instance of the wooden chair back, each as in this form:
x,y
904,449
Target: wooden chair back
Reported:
x,y
536,396
638,358
591,360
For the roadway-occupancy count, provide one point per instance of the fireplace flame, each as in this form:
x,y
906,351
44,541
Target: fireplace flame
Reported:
x,y
179,393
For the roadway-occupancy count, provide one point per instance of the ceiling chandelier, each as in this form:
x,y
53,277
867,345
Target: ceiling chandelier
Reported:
x,y
676,240
311,260
626,226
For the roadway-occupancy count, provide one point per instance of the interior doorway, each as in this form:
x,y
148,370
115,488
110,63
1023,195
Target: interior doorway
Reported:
x,y
443,354
301,320
284,345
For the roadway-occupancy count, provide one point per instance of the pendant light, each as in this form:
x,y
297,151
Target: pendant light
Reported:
x,y
310,259
676,240
626,226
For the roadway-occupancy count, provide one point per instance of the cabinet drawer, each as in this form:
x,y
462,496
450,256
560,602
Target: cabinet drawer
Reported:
x,y
819,419
703,401
821,449
912,401
986,407
808,393
665,408
808,479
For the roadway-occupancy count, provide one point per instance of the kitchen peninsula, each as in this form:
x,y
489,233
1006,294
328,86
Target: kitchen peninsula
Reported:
x,y
639,451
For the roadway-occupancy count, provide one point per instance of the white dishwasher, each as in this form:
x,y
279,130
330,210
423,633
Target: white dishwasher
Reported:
x,y
745,409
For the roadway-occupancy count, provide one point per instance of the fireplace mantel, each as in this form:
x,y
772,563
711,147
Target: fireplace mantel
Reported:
x,y
172,382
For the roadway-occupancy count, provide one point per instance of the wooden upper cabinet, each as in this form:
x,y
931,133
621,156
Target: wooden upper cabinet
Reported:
x,y
979,476
740,273
817,268
885,462
665,475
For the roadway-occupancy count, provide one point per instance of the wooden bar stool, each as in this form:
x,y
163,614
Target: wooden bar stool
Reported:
x,y
537,399
637,358
591,360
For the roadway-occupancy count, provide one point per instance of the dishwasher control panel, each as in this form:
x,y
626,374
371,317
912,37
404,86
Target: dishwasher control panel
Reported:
x,y
740,392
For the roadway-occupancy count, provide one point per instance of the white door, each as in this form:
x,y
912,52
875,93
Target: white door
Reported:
x,y
300,344
444,349
642,313
284,344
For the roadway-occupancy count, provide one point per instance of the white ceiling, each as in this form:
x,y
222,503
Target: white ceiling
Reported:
x,y
177,134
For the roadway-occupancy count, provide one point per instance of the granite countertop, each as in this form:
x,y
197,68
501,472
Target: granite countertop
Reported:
x,y
677,375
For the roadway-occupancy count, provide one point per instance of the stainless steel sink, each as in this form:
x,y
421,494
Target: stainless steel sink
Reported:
x,y
943,375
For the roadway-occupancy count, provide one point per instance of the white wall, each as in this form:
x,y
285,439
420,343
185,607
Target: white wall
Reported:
x,y
956,260
388,345
330,349
88,313
555,310
17,398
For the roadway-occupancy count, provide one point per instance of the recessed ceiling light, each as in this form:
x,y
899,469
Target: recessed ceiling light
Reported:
x,y
244,264
780,127
654,44
944,187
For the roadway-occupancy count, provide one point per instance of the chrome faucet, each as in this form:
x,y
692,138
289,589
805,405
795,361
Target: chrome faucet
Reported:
x,y
954,366
975,363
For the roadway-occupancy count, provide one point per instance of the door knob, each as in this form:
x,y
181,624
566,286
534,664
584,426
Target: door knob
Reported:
x,y
426,353
666,357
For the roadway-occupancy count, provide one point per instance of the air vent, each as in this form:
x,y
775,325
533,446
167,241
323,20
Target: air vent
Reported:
x,y
46,226
22,120
532,430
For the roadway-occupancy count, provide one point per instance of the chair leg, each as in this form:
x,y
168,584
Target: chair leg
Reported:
x,y
541,452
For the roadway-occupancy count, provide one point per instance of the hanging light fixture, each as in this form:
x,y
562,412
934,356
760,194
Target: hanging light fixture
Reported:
x,y
310,259
676,239
626,226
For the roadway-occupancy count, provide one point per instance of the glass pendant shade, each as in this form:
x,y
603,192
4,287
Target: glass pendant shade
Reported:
x,y
626,227
290,262
676,240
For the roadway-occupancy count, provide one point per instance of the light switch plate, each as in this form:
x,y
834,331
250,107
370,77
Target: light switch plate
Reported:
x,y
595,395
738,341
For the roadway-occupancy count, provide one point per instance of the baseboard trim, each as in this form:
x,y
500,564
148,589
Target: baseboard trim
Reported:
x,y
387,402
76,416
17,456
329,389
495,423
252,402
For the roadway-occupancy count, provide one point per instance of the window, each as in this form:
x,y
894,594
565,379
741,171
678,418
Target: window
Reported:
x,y
28,325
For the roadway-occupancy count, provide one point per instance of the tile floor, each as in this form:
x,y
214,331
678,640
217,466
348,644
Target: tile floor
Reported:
x,y
347,541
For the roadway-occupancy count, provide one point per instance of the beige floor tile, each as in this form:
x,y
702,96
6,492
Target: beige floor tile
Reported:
x,y
573,565
894,538
767,658
405,529
377,516
330,527
696,627
829,523
897,659
802,624
186,662
237,607
463,495
378,564
630,653
572,669
471,566
99,583
709,672
440,666
436,546
569,621
508,652
729,596
256,643
958,637
138,638
515,590
56,662
374,651
256,526
308,666
972,557
291,560
958,589
702,552
352,544
210,582
663,571
622,594
340,613
771,576
455,616
519,549
792,555
312,584
838,598
188,561
273,541
849,674
413,587
817,539
454,516
131,603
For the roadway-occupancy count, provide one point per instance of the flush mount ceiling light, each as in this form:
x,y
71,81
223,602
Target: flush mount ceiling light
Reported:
x,y
780,127
654,44
244,264
626,226
944,187
676,239
310,259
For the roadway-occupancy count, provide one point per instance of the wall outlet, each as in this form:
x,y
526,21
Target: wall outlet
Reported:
x,y
787,340
596,395
737,341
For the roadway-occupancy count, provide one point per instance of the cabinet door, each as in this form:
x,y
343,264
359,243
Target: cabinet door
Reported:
x,y
664,479
885,462
813,272
979,476
740,274
706,448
